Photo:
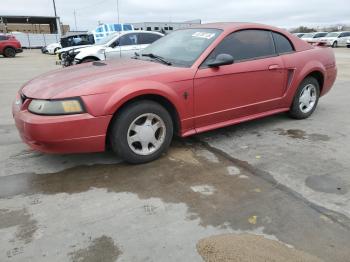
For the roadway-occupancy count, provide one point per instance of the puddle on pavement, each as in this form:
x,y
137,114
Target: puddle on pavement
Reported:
x,y
248,248
26,226
327,184
213,195
301,134
102,249
185,175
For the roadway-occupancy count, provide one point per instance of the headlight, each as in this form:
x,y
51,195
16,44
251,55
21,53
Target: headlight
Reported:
x,y
56,107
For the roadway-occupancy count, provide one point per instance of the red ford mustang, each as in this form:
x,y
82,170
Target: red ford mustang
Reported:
x,y
189,81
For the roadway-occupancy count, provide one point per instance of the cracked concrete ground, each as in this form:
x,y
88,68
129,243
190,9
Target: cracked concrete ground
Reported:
x,y
278,178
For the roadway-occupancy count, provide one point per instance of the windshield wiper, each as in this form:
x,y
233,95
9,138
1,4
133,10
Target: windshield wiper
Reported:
x,y
158,58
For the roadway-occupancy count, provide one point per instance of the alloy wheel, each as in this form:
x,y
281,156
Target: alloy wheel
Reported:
x,y
307,99
146,134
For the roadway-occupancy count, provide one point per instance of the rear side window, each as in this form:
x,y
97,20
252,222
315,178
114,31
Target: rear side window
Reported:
x,y
246,45
148,38
283,45
2,37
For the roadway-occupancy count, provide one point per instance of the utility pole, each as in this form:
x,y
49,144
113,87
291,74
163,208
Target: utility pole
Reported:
x,y
118,11
58,23
75,20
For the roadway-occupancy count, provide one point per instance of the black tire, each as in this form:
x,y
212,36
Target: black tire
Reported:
x,y
120,126
56,49
295,110
9,52
335,44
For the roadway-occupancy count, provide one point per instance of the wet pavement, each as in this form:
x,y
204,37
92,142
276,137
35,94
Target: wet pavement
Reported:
x,y
282,179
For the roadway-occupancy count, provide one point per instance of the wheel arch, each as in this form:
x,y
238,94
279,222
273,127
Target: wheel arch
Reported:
x,y
158,98
319,76
90,57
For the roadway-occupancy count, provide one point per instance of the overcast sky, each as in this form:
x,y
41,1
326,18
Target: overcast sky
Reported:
x,y
283,13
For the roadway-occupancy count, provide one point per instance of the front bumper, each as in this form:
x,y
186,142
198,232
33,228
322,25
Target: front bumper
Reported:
x,y
79,133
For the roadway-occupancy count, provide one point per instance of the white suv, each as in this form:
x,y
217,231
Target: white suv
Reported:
x,y
123,44
336,39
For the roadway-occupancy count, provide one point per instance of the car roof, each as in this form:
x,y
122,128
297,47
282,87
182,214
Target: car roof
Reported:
x,y
139,31
235,26
229,27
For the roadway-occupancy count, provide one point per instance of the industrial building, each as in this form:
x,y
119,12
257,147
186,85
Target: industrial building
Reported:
x,y
32,24
164,26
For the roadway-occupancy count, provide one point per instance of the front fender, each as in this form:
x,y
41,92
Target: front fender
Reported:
x,y
135,89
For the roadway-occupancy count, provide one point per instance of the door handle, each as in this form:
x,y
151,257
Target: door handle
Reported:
x,y
274,67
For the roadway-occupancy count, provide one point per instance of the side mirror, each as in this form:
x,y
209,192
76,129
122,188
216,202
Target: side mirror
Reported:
x,y
221,59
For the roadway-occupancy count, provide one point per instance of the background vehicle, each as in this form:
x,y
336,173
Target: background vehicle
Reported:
x,y
77,40
123,44
9,46
106,30
66,42
52,48
335,39
190,81
313,37
299,34
348,43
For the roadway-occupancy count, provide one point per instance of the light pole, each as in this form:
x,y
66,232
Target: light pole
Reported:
x,y
118,11
58,23
75,20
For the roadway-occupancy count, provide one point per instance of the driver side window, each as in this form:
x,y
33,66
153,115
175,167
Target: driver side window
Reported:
x,y
245,45
129,39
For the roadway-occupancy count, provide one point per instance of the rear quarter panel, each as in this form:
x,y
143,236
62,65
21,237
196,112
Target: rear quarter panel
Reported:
x,y
303,63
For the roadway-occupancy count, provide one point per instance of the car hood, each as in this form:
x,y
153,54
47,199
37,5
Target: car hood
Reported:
x,y
100,77
93,49
53,45
72,47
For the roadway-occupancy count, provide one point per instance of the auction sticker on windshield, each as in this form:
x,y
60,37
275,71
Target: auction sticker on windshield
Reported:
x,y
204,35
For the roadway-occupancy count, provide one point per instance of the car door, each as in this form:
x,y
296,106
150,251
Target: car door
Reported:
x,y
343,37
146,39
251,85
125,46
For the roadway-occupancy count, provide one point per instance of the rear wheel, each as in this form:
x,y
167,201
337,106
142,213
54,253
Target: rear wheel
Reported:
x,y
141,132
305,99
9,52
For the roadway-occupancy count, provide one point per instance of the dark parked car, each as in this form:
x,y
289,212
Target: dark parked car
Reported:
x,y
9,46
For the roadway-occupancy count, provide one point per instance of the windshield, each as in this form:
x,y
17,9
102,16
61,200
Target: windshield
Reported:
x,y
107,39
183,47
332,35
309,35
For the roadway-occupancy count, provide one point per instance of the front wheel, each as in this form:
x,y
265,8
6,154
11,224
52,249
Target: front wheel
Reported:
x,y
335,44
141,132
9,52
305,99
